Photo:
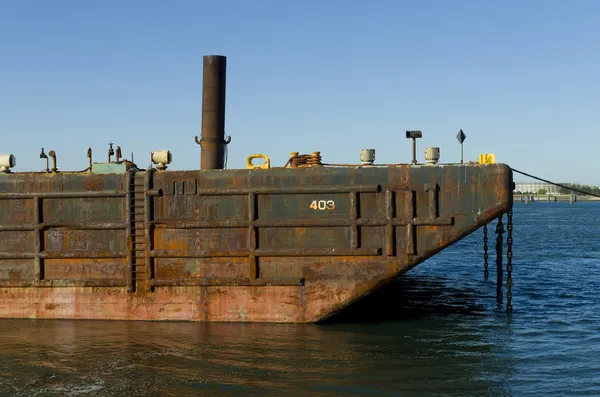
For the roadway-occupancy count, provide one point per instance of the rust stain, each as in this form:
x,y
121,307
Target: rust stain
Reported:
x,y
14,275
94,183
173,271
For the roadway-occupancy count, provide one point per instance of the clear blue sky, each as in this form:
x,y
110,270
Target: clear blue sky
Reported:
x,y
521,78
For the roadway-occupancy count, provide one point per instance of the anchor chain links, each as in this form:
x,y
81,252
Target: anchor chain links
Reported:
x,y
499,254
509,241
485,253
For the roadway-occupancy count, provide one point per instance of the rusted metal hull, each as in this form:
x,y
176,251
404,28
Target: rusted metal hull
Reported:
x,y
277,245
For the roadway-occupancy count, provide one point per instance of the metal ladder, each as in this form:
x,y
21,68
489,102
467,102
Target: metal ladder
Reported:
x,y
138,208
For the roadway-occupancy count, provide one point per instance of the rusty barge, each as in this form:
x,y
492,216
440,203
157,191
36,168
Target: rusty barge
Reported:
x,y
263,244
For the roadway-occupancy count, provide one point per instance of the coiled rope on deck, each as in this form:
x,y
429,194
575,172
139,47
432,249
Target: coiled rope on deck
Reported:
x,y
304,160
555,184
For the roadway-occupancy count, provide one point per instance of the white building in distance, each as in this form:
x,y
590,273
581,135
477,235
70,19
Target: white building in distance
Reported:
x,y
535,187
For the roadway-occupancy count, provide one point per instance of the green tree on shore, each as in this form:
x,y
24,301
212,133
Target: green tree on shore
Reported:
x,y
585,188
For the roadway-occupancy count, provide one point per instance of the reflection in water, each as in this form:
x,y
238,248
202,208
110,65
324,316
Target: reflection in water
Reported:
x,y
412,297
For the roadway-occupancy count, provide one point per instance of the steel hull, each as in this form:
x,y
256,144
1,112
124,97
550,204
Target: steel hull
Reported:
x,y
277,245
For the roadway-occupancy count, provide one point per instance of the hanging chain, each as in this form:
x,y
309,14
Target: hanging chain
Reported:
x,y
499,254
509,253
485,253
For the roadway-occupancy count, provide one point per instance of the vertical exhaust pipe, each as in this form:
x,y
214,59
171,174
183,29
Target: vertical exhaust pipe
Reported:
x,y
212,142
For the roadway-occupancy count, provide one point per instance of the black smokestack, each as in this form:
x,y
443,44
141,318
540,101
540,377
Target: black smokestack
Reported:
x,y
212,142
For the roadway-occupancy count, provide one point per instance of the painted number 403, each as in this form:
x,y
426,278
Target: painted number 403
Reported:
x,y
322,205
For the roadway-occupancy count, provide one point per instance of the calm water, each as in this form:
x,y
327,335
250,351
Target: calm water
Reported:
x,y
438,332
